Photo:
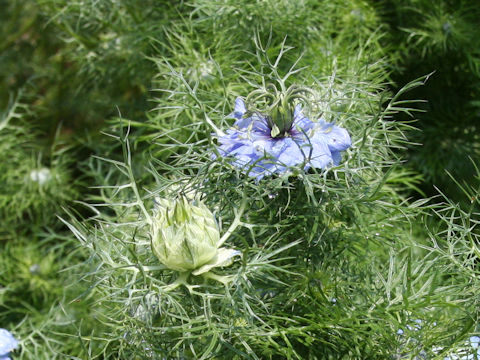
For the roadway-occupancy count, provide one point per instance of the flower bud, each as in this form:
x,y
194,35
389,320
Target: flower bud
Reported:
x,y
185,237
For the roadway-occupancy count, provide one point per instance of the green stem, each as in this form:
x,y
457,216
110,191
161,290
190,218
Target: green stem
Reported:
x,y
128,159
181,280
235,222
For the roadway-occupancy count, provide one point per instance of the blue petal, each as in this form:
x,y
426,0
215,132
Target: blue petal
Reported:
x,y
256,157
244,161
338,138
336,157
239,109
246,149
259,167
255,123
233,137
238,113
265,144
7,342
226,149
243,123
474,341
300,122
320,157
260,126
293,153
231,141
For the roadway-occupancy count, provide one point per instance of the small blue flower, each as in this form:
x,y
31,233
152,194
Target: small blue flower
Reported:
x,y
261,148
475,341
7,344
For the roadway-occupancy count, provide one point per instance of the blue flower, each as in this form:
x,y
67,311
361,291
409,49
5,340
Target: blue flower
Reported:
x,y
7,344
260,148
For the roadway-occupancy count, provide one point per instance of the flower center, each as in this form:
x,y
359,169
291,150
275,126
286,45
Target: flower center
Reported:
x,y
280,112
280,120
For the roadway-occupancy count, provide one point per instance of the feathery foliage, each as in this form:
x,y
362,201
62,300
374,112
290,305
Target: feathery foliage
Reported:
x,y
117,110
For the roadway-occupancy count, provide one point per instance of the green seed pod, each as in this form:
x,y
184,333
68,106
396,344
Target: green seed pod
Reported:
x,y
185,237
281,119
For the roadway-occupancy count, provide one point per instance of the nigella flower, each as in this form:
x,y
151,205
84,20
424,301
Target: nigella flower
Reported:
x,y
7,344
271,144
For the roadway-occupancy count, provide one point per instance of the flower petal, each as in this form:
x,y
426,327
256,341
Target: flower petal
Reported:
x,y
224,257
7,342
259,125
336,157
320,156
293,153
238,113
255,122
266,145
226,148
338,138
300,122
475,341
239,109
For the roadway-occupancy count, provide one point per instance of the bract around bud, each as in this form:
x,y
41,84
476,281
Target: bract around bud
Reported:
x,y
185,237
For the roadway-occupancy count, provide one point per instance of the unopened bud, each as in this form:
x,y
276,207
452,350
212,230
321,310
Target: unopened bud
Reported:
x,y
185,237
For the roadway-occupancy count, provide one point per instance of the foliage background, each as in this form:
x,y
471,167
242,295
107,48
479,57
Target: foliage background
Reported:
x,y
73,72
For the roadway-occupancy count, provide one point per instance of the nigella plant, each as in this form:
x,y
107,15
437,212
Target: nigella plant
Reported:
x,y
278,140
